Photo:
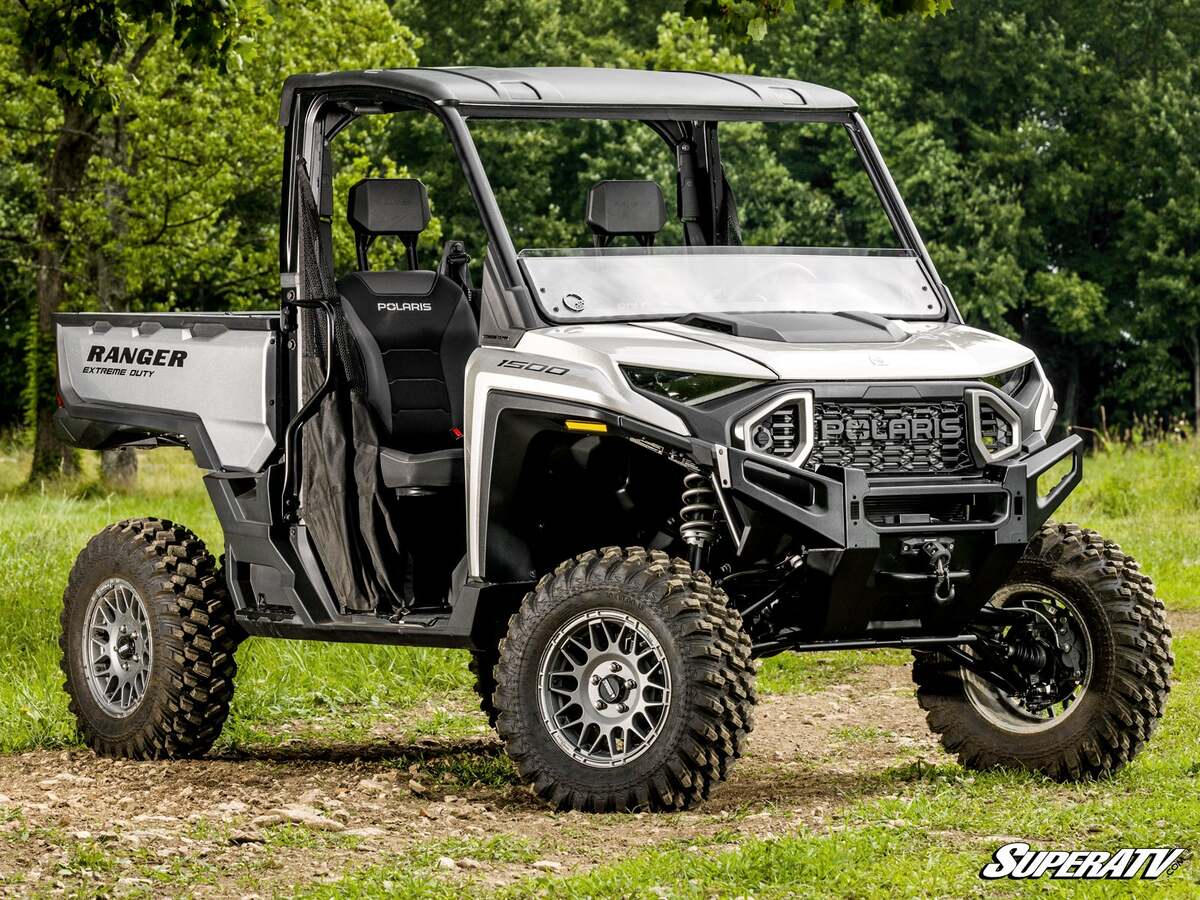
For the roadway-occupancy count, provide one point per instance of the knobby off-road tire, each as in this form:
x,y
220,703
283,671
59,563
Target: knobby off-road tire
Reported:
x,y
190,634
483,667
1130,678
689,628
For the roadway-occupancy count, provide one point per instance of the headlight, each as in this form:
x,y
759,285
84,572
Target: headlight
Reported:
x,y
995,427
1031,393
684,387
1009,382
780,429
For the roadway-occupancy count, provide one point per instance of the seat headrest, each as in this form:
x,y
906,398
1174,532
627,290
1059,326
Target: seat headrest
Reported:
x,y
626,208
388,206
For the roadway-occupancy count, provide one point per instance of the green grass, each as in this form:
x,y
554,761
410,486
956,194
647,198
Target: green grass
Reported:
x,y
1148,500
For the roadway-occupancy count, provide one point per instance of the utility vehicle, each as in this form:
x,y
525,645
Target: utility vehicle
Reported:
x,y
616,474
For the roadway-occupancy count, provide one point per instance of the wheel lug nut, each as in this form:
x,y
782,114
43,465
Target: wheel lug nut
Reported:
x,y
616,667
624,707
600,704
595,679
630,683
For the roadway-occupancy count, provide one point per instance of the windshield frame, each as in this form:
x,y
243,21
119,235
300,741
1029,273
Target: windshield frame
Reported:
x,y
868,153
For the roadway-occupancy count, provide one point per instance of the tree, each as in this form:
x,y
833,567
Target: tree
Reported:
x,y
751,18
89,55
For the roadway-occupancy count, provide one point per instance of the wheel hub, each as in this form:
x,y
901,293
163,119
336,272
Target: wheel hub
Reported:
x,y
126,647
605,688
1050,656
612,690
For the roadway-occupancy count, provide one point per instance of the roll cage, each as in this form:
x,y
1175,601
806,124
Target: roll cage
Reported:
x,y
683,108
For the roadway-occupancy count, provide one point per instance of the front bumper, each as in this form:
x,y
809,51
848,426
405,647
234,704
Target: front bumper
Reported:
x,y
859,533
836,504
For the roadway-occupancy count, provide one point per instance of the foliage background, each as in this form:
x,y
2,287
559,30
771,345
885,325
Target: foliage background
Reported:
x,y
1047,151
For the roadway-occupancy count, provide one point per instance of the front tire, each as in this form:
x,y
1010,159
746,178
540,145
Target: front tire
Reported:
x,y
148,639
624,683
1125,674
483,668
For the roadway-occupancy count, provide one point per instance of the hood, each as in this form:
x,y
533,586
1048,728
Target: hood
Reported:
x,y
926,351
605,346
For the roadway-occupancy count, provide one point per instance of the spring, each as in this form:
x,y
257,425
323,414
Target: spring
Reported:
x,y
698,517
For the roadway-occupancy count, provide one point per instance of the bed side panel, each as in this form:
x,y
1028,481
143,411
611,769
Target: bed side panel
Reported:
x,y
222,376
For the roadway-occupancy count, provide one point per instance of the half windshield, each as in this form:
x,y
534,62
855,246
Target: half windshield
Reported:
x,y
589,285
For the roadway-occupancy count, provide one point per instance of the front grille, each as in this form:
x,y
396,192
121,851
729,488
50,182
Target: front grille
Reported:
x,y
783,431
994,430
893,438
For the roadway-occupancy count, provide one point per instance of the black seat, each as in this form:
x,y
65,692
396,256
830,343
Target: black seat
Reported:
x,y
414,330
626,209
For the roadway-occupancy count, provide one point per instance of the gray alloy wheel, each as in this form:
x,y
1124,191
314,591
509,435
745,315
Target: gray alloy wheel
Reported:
x,y
605,688
119,647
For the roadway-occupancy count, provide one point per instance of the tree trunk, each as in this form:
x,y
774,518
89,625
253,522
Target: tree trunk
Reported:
x,y
1068,410
64,176
119,468
1195,352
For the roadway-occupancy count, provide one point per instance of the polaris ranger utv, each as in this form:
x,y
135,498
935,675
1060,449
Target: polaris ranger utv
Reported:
x,y
616,474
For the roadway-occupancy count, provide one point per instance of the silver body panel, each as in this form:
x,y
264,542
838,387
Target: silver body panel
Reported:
x,y
565,368
226,378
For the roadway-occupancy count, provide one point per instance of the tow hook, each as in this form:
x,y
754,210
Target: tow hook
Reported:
x,y
938,551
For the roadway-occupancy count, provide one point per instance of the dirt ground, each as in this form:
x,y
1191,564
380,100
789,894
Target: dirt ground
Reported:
x,y
307,811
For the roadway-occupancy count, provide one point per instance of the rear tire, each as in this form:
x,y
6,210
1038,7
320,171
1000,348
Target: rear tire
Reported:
x,y
148,639
664,691
1130,669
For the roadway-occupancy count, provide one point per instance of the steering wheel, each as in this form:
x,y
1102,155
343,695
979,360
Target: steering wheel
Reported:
x,y
775,282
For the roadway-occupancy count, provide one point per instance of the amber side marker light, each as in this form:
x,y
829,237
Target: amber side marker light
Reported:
x,y
580,425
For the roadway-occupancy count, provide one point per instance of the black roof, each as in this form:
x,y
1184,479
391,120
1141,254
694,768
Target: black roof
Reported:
x,y
585,92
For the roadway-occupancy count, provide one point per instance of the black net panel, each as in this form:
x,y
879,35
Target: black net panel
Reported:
x,y
343,499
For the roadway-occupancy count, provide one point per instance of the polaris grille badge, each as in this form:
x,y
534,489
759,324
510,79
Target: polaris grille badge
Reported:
x,y
900,428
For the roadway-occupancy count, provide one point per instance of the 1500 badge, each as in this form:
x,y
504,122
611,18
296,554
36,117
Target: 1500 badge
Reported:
x,y
532,366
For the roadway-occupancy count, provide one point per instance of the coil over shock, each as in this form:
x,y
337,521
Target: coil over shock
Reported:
x,y
698,517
